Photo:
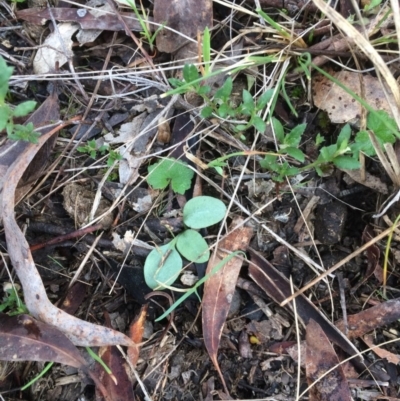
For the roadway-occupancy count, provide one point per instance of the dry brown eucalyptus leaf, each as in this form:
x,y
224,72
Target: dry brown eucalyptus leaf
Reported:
x,y
219,288
184,16
327,384
342,107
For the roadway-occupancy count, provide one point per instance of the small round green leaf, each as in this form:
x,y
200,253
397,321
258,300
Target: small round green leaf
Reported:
x,y
193,246
203,211
162,267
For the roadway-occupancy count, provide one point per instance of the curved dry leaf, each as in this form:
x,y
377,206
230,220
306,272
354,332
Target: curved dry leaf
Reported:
x,y
119,384
370,181
320,359
78,331
48,112
174,14
57,48
342,107
22,338
220,286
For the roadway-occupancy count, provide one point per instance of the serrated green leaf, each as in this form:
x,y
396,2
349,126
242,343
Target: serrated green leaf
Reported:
x,y
162,267
223,110
193,246
269,163
203,90
259,124
203,211
278,130
24,108
328,152
319,139
176,83
344,135
190,73
206,112
224,92
291,171
264,99
295,153
362,143
294,136
381,124
172,171
5,74
20,132
248,102
346,163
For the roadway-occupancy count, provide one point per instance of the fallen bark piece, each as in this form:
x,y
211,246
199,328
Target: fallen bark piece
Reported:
x,y
372,318
382,353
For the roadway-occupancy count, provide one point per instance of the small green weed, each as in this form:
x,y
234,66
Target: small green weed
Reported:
x,y
221,105
12,303
16,132
143,20
164,264
91,148
343,154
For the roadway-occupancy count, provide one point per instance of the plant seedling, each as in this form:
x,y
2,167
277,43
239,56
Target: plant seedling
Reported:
x,y
170,171
164,264
143,20
342,154
12,301
91,148
193,290
16,132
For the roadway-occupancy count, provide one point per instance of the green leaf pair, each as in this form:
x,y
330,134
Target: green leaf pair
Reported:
x,y
164,264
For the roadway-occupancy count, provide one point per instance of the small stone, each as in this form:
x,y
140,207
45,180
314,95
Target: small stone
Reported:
x,y
329,222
